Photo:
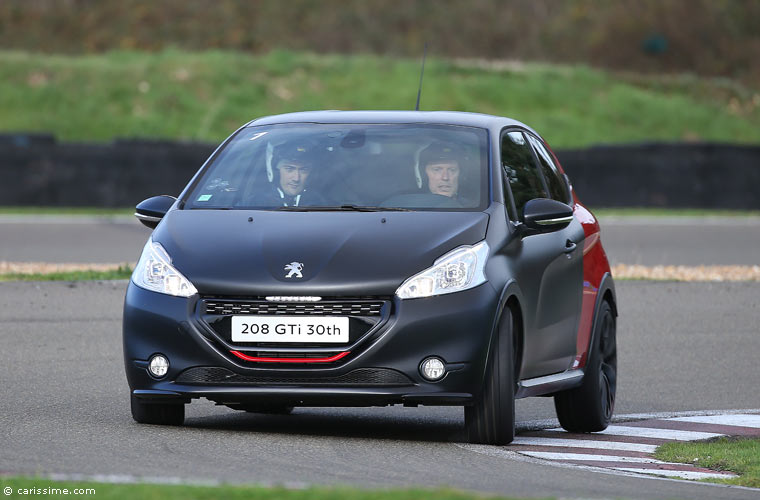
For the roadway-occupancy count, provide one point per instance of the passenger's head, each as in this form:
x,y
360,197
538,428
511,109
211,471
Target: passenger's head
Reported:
x,y
292,168
440,165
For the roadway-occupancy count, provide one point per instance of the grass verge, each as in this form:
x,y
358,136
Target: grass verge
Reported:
x,y
121,273
204,96
741,456
188,492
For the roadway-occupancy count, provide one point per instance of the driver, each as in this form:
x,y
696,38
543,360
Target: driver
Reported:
x,y
289,176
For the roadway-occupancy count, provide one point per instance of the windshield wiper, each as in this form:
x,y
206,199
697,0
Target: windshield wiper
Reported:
x,y
364,208
343,208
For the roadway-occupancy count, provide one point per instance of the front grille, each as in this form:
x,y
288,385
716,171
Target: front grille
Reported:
x,y
222,307
364,313
377,377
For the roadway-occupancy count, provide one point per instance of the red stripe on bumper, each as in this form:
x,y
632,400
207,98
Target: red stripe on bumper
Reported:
x,y
290,360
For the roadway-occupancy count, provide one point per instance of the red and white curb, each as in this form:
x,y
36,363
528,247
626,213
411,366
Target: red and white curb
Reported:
x,y
627,447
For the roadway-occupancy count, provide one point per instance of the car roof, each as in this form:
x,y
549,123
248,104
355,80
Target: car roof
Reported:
x,y
492,122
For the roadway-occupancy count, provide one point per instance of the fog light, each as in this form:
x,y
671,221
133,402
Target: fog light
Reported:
x,y
433,369
158,365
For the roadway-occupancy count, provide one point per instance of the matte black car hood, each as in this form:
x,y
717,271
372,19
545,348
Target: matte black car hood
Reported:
x,y
343,253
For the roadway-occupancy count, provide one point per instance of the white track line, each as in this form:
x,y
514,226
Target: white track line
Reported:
x,y
740,420
549,423
744,418
683,474
547,455
585,443
648,432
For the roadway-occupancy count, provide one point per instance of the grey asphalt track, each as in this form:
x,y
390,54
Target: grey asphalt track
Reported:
x,y
64,403
686,241
651,241
74,239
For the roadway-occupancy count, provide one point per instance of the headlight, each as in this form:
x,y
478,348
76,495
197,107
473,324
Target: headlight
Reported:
x,y
458,270
155,272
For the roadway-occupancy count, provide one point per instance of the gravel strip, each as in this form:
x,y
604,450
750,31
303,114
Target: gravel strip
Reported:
x,y
687,273
620,271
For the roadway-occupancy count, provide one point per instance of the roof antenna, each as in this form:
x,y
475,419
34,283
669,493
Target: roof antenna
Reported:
x,y
419,91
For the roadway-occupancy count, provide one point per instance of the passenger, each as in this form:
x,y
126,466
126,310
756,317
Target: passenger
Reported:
x,y
439,169
289,174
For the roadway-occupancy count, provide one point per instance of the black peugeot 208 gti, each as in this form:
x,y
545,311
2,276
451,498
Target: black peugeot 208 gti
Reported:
x,y
370,259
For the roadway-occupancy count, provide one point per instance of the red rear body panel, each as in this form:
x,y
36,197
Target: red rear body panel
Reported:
x,y
595,266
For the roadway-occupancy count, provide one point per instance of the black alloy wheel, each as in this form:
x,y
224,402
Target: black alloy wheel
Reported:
x,y
589,407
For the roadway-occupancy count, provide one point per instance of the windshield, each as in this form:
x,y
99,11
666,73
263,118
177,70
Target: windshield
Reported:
x,y
348,167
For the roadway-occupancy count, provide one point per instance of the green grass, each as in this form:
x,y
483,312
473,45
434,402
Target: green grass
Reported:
x,y
123,272
224,492
206,95
741,456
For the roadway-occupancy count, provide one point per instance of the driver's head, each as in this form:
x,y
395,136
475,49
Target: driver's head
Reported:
x,y
293,168
441,165
293,176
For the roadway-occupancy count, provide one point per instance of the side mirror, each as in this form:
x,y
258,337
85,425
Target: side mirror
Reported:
x,y
542,215
151,211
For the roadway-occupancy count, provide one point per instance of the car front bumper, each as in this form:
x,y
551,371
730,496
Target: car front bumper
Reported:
x,y
383,368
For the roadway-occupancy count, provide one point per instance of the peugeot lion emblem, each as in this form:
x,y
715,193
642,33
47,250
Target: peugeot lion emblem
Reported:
x,y
294,269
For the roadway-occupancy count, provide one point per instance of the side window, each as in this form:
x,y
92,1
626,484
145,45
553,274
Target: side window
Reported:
x,y
510,209
551,174
519,168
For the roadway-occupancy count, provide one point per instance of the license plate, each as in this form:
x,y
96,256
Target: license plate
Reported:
x,y
315,329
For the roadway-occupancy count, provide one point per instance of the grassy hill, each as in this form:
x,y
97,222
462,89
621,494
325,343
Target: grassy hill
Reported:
x,y
206,95
707,37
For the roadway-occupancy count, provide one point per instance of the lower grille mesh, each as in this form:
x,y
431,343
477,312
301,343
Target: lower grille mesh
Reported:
x,y
377,377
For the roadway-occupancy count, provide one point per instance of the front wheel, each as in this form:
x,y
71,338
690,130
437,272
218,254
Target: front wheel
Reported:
x,y
491,419
589,407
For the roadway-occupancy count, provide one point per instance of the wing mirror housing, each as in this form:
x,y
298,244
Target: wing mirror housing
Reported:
x,y
151,211
542,215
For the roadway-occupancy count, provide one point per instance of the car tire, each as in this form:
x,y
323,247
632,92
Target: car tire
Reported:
x,y
491,418
589,408
157,413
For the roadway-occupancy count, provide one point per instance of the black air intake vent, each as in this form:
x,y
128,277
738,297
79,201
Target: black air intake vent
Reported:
x,y
375,377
